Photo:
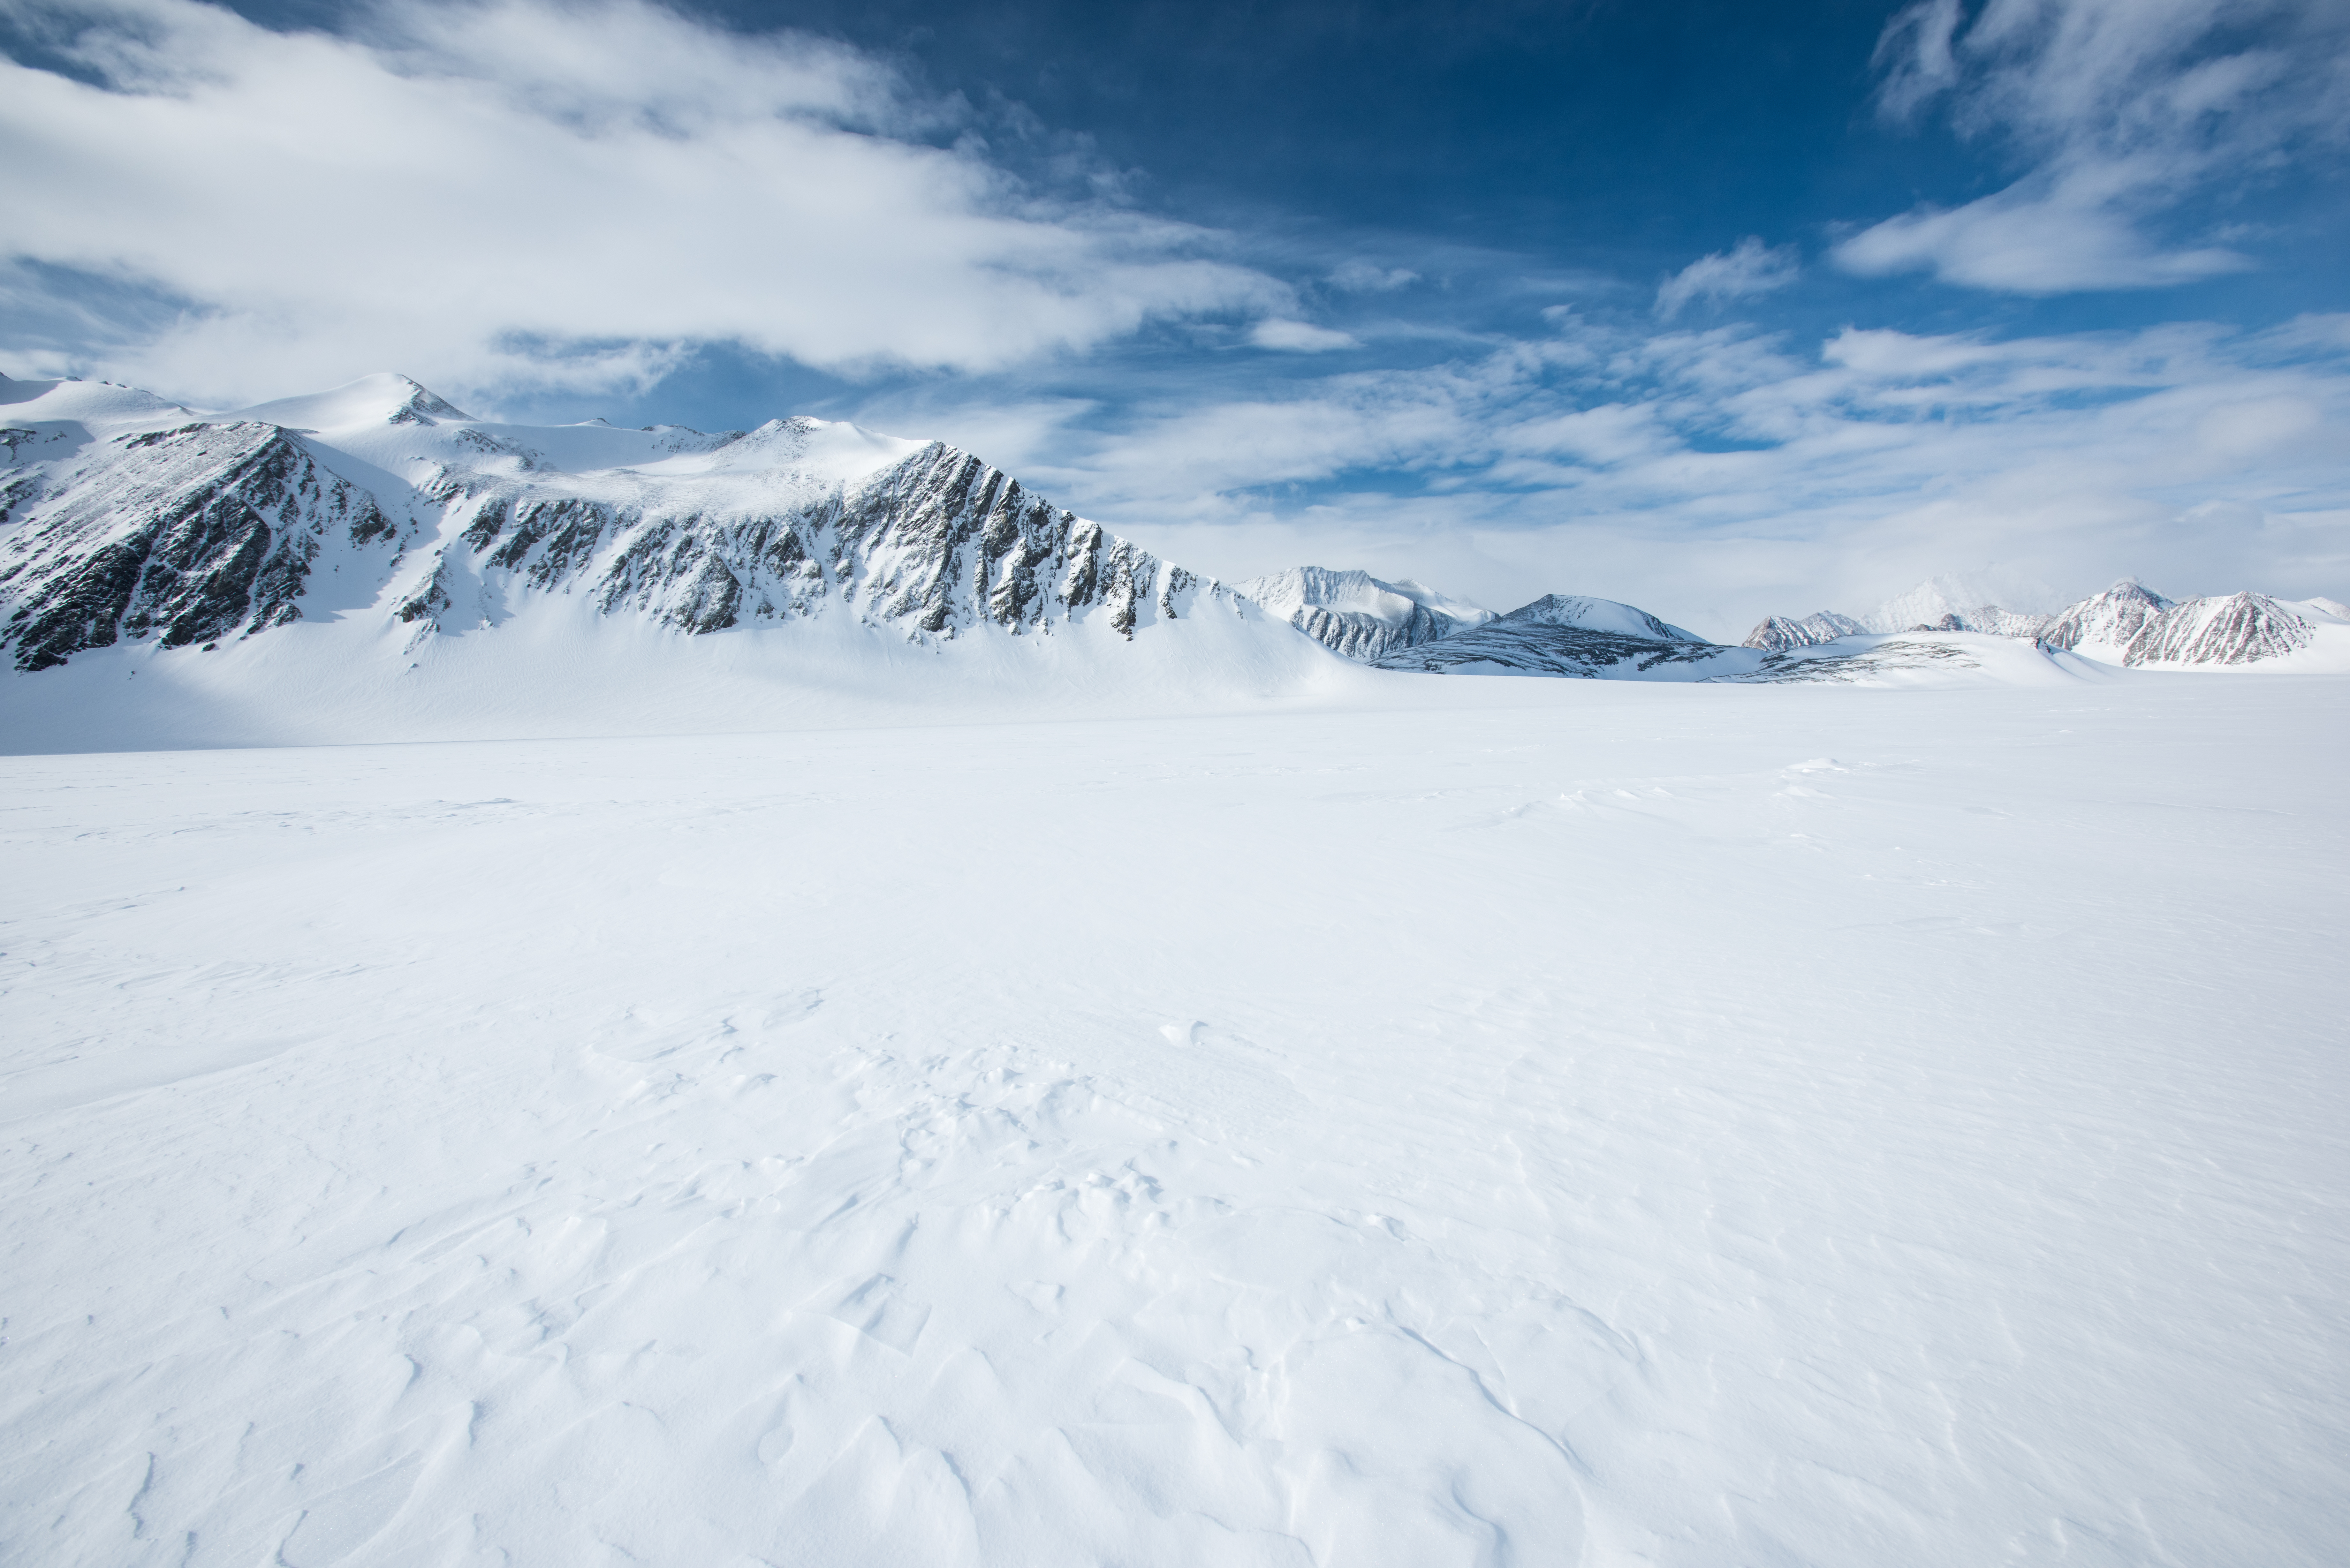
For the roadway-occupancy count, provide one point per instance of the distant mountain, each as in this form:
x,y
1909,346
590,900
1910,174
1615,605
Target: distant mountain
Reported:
x,y
2128,624
1779,633
1357,615
1569,635
129,519
1949,603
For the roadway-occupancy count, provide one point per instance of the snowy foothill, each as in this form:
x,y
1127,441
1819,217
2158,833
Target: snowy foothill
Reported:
x,y
1422,1121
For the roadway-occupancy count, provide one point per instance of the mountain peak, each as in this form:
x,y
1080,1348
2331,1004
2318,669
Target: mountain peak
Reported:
x,y
385,397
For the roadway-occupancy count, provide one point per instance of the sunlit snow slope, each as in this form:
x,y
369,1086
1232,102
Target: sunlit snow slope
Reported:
x,y
1581,1123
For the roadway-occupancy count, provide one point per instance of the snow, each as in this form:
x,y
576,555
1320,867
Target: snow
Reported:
x,y
1437,1121
1947,595
1286,594
376,421
1920,658
556,666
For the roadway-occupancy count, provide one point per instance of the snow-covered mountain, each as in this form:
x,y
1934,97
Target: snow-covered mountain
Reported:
x,y
1570,636
129,519
1949,603
1357,615
2128,624
1779,633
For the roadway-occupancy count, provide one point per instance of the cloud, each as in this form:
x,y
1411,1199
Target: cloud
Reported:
x,y
1750,269
1362,277
1299,337
524,193
2120,112
2028,240
1717,477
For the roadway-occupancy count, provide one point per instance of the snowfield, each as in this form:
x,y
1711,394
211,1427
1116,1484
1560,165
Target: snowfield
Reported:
x,y
1499,1122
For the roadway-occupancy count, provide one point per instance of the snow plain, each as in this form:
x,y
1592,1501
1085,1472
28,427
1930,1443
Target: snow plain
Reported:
x,y
1506,1122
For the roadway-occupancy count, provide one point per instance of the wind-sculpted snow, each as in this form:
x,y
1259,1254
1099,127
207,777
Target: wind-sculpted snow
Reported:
x,y
1782,1126
1358,615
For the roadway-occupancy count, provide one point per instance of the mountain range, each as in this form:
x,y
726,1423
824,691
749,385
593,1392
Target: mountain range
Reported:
x,y
2128,624
387,530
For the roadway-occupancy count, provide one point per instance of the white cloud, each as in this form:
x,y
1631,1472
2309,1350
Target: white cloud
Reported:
x,y
1751,268
526,193
1299,337
1718,477
2029,240
2121,110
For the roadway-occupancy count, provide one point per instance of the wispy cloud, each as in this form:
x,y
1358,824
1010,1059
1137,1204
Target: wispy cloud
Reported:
x,y
2118,111
1299,337
526,193
1749,269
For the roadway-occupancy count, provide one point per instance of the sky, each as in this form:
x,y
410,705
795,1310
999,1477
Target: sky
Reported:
x,y
1719,309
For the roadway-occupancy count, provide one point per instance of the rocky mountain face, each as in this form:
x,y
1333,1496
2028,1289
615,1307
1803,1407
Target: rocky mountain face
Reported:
x,y
127,518
1358,615
2141,628
1565,635
185,534
1779,633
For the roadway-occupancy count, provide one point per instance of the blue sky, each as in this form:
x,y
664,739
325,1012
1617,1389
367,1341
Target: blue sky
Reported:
x,y
1718,308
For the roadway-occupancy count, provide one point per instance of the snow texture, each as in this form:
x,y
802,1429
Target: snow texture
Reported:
x,y
1460,1123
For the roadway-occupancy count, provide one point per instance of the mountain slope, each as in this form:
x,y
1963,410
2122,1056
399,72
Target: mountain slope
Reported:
x,y
131,520
1358,615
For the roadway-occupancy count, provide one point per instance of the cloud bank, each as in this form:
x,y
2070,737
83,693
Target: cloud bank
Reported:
x,y
528,194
